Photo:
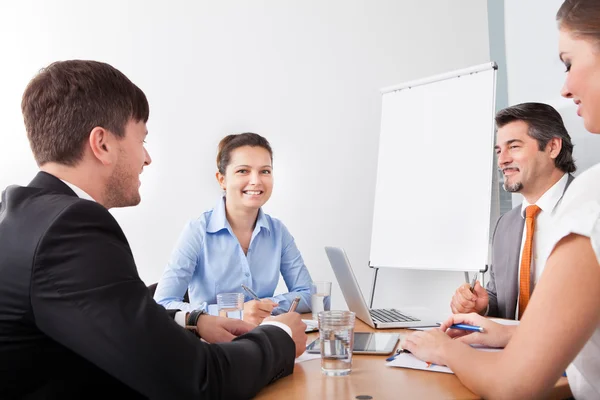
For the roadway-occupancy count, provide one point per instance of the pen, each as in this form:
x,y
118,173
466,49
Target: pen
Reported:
x,y
250,292
294,304
466,327
398,352
472,288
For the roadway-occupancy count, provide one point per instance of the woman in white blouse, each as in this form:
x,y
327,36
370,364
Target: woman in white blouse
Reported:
x,y
560,329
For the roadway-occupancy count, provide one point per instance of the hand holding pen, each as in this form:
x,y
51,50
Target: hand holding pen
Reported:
x,y
257,309
470,298
475,329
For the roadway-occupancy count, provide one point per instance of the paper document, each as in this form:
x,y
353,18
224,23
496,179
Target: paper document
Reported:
x,y
425,328
502,321
307,356
407,360
311,325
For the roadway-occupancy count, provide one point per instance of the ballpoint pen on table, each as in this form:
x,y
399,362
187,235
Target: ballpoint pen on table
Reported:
x,y
294,304
250,292
396,354
400,351
472,287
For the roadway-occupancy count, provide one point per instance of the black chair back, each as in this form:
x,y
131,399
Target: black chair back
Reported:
x,y
152,290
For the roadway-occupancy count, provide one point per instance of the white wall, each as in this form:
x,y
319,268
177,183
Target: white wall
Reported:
x,y
535,73
305,74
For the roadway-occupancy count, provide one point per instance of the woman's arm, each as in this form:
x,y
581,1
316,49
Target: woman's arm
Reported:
x,y
177,275
560,318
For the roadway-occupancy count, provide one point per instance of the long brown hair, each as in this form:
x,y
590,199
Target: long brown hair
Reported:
x,y
581,17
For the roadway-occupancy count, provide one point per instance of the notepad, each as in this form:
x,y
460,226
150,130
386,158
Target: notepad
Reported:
x,y
311,325
407,360
503,321
307,357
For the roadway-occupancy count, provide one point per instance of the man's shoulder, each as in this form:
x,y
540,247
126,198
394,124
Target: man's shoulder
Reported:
x,y
510,219
514,212
31,206
21,198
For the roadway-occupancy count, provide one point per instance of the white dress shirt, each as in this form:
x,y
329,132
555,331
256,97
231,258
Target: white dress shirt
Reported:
x,y
78,191
179,315
543,232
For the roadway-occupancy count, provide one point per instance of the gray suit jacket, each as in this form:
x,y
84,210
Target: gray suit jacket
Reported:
x,y
503,285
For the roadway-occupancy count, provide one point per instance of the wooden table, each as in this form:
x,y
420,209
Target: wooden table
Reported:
x,y
370,377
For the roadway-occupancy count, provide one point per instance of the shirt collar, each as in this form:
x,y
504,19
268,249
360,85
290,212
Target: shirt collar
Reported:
x,y
78,191
550,199
218,219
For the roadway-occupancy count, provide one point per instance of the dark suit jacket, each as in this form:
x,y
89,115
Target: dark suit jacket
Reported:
x,y
77,321
503,285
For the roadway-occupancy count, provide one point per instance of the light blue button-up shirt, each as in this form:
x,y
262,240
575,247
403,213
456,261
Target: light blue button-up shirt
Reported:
x,y
209,260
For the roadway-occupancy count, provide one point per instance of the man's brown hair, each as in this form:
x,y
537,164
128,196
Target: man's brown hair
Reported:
x,y
544,123
68,99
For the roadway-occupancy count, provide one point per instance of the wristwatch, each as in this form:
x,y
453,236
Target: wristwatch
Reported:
x,y
191,320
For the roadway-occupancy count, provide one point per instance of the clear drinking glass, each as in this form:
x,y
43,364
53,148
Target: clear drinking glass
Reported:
x,y
320,297
231,305
336,331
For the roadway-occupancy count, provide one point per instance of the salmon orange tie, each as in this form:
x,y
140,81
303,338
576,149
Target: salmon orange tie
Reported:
x,y
525,275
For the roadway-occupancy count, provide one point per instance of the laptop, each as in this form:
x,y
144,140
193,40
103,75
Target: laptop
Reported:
x,y
413,317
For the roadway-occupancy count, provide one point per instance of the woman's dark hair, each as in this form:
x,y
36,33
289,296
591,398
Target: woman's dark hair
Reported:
x,y
581,17
232,142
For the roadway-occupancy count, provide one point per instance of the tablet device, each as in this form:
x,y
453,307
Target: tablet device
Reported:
x,y
366,343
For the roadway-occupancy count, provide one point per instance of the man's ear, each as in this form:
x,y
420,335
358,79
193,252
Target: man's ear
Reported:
x,y
555,145
221,179
102,144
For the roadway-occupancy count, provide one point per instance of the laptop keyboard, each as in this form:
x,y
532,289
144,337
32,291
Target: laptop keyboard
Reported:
x,y
390,315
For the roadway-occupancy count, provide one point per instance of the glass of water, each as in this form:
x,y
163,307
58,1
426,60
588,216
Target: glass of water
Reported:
x,y
320,297
231,305
336,331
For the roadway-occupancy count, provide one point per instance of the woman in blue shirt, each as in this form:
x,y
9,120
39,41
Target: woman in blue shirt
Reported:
x,y
236,243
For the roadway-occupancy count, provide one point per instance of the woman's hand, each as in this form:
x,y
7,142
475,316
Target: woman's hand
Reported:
x,y
255,311
428,345
493,335
432,345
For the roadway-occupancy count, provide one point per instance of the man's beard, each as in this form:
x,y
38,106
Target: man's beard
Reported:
x,y
514,188
120,190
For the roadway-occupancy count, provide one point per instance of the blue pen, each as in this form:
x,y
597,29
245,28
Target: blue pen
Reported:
x,y
398,352
466,327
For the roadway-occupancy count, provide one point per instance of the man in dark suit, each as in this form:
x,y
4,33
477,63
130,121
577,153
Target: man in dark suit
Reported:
x,y
535,155
75,318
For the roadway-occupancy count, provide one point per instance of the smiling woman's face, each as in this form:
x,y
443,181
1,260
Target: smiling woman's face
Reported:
x,y
248,180
581,57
